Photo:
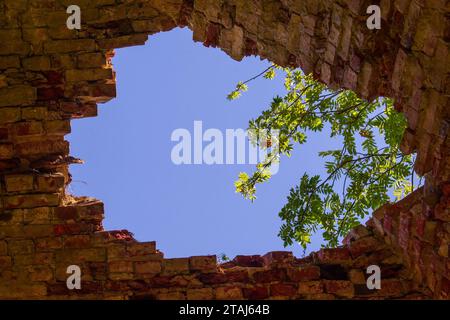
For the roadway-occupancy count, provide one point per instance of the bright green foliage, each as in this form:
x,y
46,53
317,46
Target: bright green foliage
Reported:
x,y
360,175
222,258
236,93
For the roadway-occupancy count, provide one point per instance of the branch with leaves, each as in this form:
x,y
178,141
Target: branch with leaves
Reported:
x,y
361,174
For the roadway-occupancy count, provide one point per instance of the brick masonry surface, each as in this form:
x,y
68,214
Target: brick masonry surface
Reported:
x,y
50,75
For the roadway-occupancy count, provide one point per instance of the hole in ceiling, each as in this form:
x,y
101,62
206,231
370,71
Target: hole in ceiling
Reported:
x,y
190,209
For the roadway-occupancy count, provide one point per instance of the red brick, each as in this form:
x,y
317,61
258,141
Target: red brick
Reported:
x,y
333,256
77,241
227,277
50,93
48,244
391,288
255,293
249,261
305,273
203,263
446,190
229,293
442,212
340,288
148,267
66,213
364,245
281,289
121,266
404,230
278,257
4,134
178,265
270,275
75,228
445,289
212,35
310,287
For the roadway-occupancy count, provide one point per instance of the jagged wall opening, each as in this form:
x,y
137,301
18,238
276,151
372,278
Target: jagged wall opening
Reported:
x,y
50,74
163,86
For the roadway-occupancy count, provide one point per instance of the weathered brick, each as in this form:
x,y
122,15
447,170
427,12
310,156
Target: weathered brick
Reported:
x,y
200,294
177,265
28,128
5,262
48,244
37,230
81,255
320,296
42,258
305,273
6,150
391,288
203,263
332,256
124,41
8,115
278,257
65,46
50,182
3,248
141,248
118,276
121,267
17,96
59,127
357,276
88,74
340,288
50,146
310,287
33,113
249,261
41,273
270,275
281,289
174,295
20,247
147,267
364,245
77,241
19,182
37,63
31,201
73,228
255,293
9,62
228,293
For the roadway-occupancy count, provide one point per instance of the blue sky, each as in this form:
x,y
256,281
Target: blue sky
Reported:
x,y
188,209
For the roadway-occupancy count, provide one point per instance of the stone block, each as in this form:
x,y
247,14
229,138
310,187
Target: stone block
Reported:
x,y
177,265
339,288
76,75
66,46
8,115
304,273
20,95
310,287
203,263
37,63
19,182
228,293
200,294
147,267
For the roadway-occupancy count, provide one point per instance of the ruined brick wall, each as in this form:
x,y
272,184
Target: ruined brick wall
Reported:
x,y
50,75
